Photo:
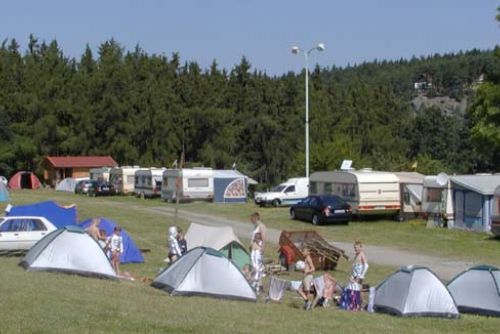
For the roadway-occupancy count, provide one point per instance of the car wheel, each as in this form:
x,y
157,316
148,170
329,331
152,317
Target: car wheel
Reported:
x,y
315,220
292,214
276,203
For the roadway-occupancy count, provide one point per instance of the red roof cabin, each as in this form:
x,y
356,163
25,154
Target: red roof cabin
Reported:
x,y
58,168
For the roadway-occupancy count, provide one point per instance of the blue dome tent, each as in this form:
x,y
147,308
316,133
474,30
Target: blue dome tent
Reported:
x,y
130,251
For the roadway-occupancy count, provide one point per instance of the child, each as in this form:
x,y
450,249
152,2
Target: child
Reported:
x,y
174,251
256,257
330,285
115,244
182,242
307,282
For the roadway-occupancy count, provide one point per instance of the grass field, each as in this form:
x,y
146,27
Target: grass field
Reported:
x,y
58,303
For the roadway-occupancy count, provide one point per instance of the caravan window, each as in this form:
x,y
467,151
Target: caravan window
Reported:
x,y
327,188
143,179
314,188
197,183
433,195
348,190
136,180
149,180
130,179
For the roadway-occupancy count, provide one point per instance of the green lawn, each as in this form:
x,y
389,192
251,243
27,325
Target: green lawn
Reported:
x,y
57,303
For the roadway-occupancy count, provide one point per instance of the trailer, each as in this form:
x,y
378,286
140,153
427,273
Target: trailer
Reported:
x,y
100,174
411,186
324,255
368,192
123,179
148,182
189,184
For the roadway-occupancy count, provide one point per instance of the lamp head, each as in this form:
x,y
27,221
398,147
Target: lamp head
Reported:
x,y
320,47
295,49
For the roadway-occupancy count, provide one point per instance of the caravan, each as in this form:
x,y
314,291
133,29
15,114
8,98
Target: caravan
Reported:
x,y
148,182
410,188
190,184
368,192
123,179
100,174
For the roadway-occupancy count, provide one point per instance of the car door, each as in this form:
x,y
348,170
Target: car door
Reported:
x,y
33,230
289,195
300,208
312,207
9,234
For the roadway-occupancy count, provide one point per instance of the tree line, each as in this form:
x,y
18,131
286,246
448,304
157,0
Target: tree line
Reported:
x,y
145,109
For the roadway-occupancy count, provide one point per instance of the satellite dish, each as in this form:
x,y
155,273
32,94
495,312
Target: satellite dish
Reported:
x,y
442,179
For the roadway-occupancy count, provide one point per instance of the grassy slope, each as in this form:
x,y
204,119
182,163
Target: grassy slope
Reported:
x,y
45,302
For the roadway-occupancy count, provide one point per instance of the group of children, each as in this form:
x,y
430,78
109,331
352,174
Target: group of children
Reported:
x,y
112,245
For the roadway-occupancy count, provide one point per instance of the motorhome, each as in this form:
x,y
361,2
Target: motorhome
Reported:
x,y
368,192
100,174
123,179
189,183
411,186
148,182
288,193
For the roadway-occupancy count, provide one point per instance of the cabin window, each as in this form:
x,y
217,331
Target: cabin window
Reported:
x,y
197,182
313,188
434,195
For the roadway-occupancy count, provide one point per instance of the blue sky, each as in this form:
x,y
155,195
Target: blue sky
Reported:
x,y
263,31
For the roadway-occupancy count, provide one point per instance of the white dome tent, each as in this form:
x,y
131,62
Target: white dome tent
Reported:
x,y
205,272
69,250
414,291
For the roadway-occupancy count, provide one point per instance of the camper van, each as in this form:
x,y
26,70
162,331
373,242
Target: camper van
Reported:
x,y
368,192
411,186
288,193
148,182
123,179
100,174
190,184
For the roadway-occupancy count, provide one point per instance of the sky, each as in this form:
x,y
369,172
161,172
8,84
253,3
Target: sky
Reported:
x,y
261,30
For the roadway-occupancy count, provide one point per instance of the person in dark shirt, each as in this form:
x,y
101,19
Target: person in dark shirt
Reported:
x,y
182,242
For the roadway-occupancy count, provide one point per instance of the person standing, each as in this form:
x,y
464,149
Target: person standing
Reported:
x,y
174,250
116,247
259,227
257,263
307,282
351,296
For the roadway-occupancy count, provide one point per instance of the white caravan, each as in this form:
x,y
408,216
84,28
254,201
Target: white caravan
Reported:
x,y
411,186
288,193
189,183
123,179
368,192
148,182
100,174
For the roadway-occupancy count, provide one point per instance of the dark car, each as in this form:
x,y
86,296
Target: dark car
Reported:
x,y
82,187
100,188
320,209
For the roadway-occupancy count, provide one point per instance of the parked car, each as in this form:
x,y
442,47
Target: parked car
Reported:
x,y
288,193
20,233
82,187
320,209
100,188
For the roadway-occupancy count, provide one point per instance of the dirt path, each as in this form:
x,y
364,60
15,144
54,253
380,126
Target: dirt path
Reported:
x,y
445,268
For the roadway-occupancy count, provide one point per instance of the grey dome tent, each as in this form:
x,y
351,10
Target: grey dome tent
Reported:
x,y
477,290
221,238
69,250
414,291
205,272
67,185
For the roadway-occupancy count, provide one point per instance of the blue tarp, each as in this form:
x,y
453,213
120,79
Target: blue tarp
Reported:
x,y
4,193
58,215
130,251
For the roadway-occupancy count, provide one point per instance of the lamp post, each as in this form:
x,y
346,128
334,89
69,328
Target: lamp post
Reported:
x,y
296,50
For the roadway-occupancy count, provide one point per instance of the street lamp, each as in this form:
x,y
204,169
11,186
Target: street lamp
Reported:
x,y
296,50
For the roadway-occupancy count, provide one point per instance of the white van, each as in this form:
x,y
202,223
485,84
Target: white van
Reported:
x,y
368,192
288,193
123,179
192,183
148,182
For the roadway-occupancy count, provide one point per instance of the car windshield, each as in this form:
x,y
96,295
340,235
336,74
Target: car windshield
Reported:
x,y
278,189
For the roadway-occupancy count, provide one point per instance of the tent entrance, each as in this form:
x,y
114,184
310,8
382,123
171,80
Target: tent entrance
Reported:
x,y
26,181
